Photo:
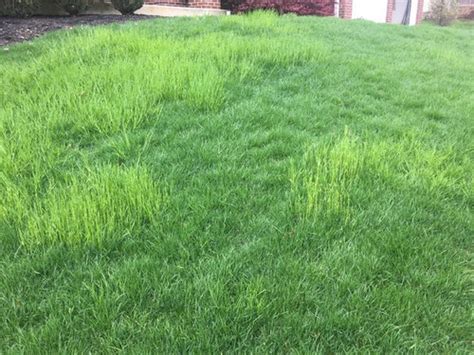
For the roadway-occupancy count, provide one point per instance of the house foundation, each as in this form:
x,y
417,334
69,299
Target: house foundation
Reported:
x,y
197,4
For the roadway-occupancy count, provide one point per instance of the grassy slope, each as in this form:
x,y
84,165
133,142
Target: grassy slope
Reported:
x,y
254,183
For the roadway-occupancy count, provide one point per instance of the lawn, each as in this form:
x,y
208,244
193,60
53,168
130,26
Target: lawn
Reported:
x,y
238,184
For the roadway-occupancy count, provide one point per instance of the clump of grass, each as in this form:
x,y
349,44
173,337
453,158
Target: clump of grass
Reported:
x,y
326,184
408,163
321,186
93,207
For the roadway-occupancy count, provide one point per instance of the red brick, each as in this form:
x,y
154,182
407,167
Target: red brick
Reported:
x,y
202,4
419,11
345,9
390,11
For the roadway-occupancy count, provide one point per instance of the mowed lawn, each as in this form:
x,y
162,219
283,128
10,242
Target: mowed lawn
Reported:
x,y
238,184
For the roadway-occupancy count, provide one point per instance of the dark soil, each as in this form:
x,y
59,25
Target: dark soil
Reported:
x,y
22,29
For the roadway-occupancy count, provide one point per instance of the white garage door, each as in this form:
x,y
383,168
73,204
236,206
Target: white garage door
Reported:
x,y
373,10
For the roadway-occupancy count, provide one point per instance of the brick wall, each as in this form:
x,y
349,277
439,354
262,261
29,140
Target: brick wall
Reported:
x,y
345,9
205,4
167,2
201,4
419,11
390,11
466,9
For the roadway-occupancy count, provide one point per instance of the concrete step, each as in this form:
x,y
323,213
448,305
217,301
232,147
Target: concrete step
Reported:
x,y
173,11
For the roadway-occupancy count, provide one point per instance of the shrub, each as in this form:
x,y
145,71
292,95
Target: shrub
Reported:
x,y
127,7
20,8
300,7
443,12
73,7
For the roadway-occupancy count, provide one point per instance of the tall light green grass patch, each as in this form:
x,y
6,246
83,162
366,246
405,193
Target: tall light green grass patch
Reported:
x,y
101,82
440,171
28,150
120,79
326,184
98,83
93,207
321,185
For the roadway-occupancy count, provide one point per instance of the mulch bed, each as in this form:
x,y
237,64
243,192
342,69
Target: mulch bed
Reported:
x,y
14,30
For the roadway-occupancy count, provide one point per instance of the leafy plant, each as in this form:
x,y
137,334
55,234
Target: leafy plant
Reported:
x,y
19,8
127,7
73,7
443,12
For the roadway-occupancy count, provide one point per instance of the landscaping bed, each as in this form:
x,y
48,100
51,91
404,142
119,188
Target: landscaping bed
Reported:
x,y
22,29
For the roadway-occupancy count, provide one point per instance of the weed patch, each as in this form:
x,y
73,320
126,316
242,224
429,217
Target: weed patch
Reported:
x,y
91,207
334,180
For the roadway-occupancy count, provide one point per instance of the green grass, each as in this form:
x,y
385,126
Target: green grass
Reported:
x,y
238,184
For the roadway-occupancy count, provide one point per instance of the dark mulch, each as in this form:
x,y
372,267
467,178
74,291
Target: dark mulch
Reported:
x,y
19,29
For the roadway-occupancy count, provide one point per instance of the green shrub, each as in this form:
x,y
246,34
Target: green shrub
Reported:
x,y
20,8
74,7
443,12
127,7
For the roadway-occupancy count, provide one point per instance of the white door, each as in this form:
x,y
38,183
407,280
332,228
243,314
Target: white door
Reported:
x,y
405,11
373,10
400,8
